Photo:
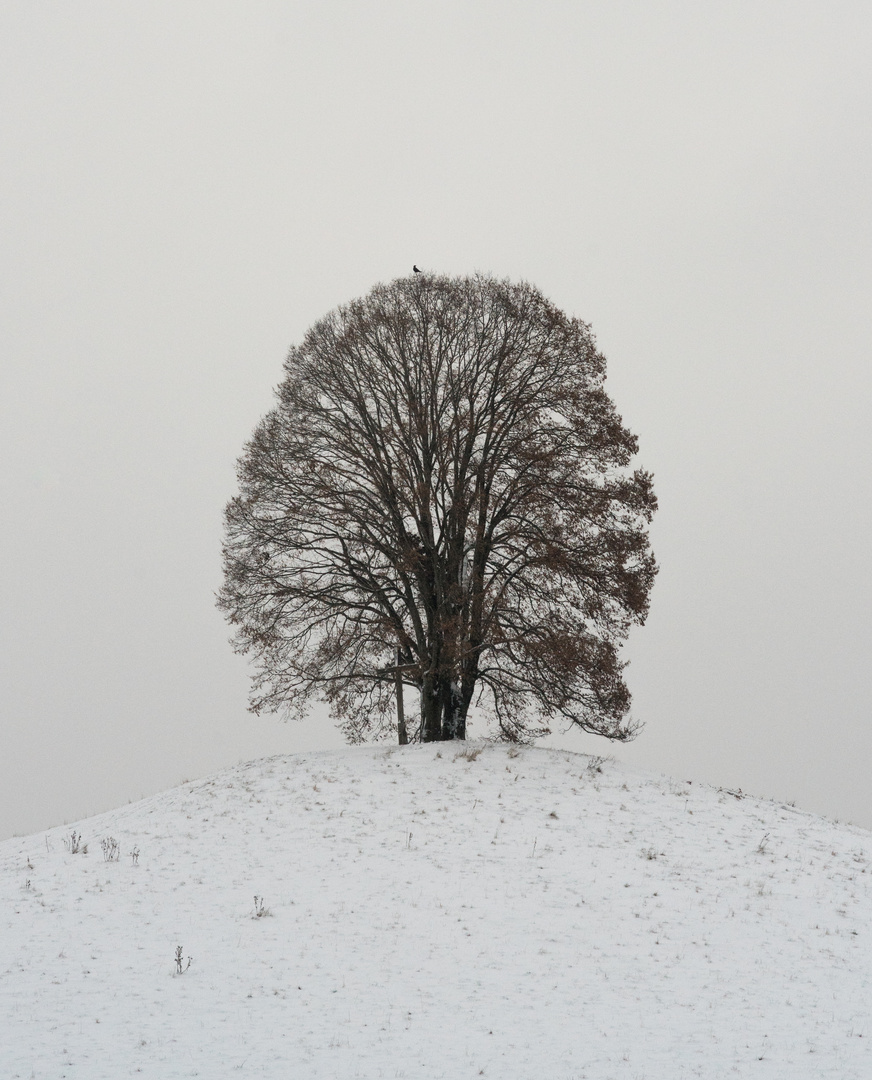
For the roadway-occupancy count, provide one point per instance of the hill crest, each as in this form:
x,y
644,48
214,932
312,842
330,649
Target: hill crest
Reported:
x,y
437,912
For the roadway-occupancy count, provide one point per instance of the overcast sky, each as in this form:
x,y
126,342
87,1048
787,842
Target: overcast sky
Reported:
x,y
186,187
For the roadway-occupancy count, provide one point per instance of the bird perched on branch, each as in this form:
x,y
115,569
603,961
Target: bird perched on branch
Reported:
x,y
415,269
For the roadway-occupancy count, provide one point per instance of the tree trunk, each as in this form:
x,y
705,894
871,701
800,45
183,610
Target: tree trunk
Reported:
x,y
402,734
454,712
431,711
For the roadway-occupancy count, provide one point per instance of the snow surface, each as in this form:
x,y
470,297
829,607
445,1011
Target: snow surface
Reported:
x,y
428,915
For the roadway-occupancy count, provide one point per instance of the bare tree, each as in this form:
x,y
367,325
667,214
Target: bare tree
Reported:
x,y
442,498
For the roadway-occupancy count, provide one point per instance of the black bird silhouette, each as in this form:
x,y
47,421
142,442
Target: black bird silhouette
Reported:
x,y
415,269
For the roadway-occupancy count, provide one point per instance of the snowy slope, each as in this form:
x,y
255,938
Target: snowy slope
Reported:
x,y
517,915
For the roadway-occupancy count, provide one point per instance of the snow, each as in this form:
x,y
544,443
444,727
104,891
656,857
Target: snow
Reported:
x,y
426,915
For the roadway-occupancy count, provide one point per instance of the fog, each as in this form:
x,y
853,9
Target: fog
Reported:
x,y
185,189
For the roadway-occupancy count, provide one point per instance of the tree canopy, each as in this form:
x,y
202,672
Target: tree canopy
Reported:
x,y
442,494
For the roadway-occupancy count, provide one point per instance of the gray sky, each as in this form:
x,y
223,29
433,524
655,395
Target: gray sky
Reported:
x,y
185,188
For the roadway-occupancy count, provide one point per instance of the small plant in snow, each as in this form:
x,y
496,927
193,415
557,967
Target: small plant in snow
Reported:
x,y
469,754
259,909
74,844
649,853
134,856
181,967
595,764
761,847
111,849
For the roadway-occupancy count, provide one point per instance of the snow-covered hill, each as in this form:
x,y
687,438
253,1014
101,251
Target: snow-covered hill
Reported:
x,y
426,914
